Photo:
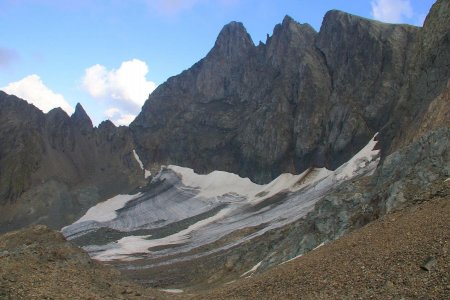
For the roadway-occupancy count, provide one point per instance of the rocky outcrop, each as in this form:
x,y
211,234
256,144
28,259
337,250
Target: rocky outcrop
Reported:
x,y
302,99
54,167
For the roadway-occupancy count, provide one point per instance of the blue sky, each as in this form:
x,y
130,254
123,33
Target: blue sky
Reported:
x,y
110,54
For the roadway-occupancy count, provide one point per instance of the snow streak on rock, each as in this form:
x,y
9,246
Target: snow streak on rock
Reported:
x,y
147,173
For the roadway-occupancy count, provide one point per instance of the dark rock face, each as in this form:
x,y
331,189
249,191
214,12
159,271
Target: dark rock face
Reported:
x,y
367,61
426,94
81,119
302,99
54,167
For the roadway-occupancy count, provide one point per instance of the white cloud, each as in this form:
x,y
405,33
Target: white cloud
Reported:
x,y
392,11
33,90
125,90
127,85
94,81
125,119
119,117
112,112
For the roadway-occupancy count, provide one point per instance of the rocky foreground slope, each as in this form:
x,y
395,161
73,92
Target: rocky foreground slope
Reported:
x,y
38,263
405,254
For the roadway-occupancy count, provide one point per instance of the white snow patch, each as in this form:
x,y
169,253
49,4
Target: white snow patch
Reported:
x,y
319,246
147,173
252,270
291,259
359,161
140,244
106,210
172,291
216,183
293,183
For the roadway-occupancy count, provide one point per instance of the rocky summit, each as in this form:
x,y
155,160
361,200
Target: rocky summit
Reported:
x,y
301,99
238,168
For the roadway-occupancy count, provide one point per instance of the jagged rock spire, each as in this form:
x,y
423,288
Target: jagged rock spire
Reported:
x,y
81,118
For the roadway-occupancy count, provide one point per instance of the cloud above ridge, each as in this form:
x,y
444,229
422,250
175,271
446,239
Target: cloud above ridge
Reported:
x,y
127,84
34,91
392,11
118,117
124,90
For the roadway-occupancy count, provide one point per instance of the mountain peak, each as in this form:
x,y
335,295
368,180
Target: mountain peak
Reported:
x,y
81,118
288,19
233,28
57,111
106,124
233,41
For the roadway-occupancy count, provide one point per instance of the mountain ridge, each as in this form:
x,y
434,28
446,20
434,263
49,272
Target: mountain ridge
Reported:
x,y
303,99
54,166
299,77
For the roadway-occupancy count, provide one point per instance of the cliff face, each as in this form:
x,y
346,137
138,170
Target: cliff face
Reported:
x,y
54,167
301,99
424,101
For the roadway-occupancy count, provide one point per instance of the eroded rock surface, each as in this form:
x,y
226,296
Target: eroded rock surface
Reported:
x,y
54,167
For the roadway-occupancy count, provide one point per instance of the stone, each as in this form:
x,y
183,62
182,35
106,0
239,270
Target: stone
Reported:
x,y
429,264
389,284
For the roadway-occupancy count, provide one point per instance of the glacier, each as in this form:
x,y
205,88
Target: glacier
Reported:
x,y
180,211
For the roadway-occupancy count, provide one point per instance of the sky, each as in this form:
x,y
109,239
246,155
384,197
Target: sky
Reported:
x,y
109,55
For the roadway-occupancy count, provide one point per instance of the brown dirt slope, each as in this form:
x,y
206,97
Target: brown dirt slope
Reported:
x,y
379,261
38,263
